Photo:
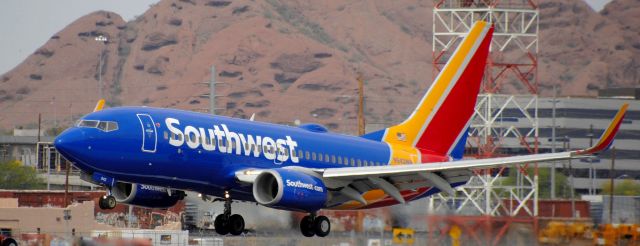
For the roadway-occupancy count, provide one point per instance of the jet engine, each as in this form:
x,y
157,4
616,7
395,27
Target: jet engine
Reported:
x,y
145,195
290,190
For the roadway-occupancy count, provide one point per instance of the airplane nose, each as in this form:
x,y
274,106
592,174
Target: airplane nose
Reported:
x,y
69,142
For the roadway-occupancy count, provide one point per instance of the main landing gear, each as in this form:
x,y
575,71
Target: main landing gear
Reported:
x,y
226,222
107,201
311,225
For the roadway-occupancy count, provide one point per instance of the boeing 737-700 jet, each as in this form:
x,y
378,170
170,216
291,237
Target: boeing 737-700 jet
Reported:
x,y
149,156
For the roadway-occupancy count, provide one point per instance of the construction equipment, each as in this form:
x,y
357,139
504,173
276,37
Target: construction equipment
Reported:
x,y
7,241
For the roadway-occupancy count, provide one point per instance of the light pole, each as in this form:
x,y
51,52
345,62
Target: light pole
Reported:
x,y
553,142
104,40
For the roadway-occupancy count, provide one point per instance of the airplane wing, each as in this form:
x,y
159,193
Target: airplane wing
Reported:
x,y
392,178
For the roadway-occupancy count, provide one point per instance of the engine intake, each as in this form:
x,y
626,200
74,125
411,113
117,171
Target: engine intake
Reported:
x,y
145,195
290,190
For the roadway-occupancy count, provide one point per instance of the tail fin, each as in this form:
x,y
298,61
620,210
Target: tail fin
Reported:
x,y
443,115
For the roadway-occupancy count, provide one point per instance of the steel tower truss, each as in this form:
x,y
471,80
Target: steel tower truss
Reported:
x,y
499,119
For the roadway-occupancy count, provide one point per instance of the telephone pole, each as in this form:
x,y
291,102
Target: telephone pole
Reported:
x,y
361,126
613,167
102,39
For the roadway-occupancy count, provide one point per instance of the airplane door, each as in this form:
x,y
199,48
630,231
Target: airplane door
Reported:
x,y
149,133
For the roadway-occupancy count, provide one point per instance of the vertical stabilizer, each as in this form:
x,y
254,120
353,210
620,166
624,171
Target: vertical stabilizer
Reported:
x,y
441,119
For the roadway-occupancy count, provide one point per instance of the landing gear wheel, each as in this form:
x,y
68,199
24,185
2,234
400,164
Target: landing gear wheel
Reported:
x,y
306,226
321,226
107,202
220,224
102,203
110,202
235,225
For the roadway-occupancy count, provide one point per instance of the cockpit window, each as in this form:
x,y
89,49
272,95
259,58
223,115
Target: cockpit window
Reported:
x,y
88,123
105,126
102,126
112,126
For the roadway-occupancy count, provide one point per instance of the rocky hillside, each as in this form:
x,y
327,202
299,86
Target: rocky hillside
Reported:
x,y
286,60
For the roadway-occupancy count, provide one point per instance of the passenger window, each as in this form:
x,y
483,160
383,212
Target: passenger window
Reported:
x,y
359,163
320,157
313,156
366,163
166,135
294,154
353,162
307,155
340,160
326,157
333,159
300,154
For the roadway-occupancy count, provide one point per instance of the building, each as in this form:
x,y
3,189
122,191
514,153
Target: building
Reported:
x,y
580,122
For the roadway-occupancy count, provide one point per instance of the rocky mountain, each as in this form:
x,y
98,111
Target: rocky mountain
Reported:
x,y
286,60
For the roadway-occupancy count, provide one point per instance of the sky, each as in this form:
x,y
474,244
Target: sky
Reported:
x,y
25,25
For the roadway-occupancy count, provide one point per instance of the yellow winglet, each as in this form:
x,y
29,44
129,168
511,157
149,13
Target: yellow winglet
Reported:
x,y
608,135
99,105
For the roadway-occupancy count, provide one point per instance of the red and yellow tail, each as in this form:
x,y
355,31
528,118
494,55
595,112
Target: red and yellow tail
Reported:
x,y
443,115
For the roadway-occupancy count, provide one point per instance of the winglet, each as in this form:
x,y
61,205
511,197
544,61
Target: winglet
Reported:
x,y
99,105
607,136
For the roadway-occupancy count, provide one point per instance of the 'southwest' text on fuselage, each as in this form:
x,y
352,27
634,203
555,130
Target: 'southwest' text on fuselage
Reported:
x,y
227,141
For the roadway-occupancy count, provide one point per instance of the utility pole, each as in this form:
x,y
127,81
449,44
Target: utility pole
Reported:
x,y
66,185
360,214
613,166
39,125
553,143
571,186
104,40
361,125
212,91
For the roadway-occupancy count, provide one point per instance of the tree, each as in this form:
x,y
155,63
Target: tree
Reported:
x,y
625,188
544,182
14,175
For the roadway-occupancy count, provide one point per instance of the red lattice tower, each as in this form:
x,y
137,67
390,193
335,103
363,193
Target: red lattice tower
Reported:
x,y
506,112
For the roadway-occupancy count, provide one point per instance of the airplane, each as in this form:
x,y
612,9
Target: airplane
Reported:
x,y
148,156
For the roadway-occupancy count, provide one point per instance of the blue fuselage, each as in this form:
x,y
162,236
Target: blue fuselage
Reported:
x,y
200,152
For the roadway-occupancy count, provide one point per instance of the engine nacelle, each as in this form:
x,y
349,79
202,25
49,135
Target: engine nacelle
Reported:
x,y
145,195
290,190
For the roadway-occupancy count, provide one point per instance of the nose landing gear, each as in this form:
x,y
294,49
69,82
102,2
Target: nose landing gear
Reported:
x,y
311,225
107,201
226,223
